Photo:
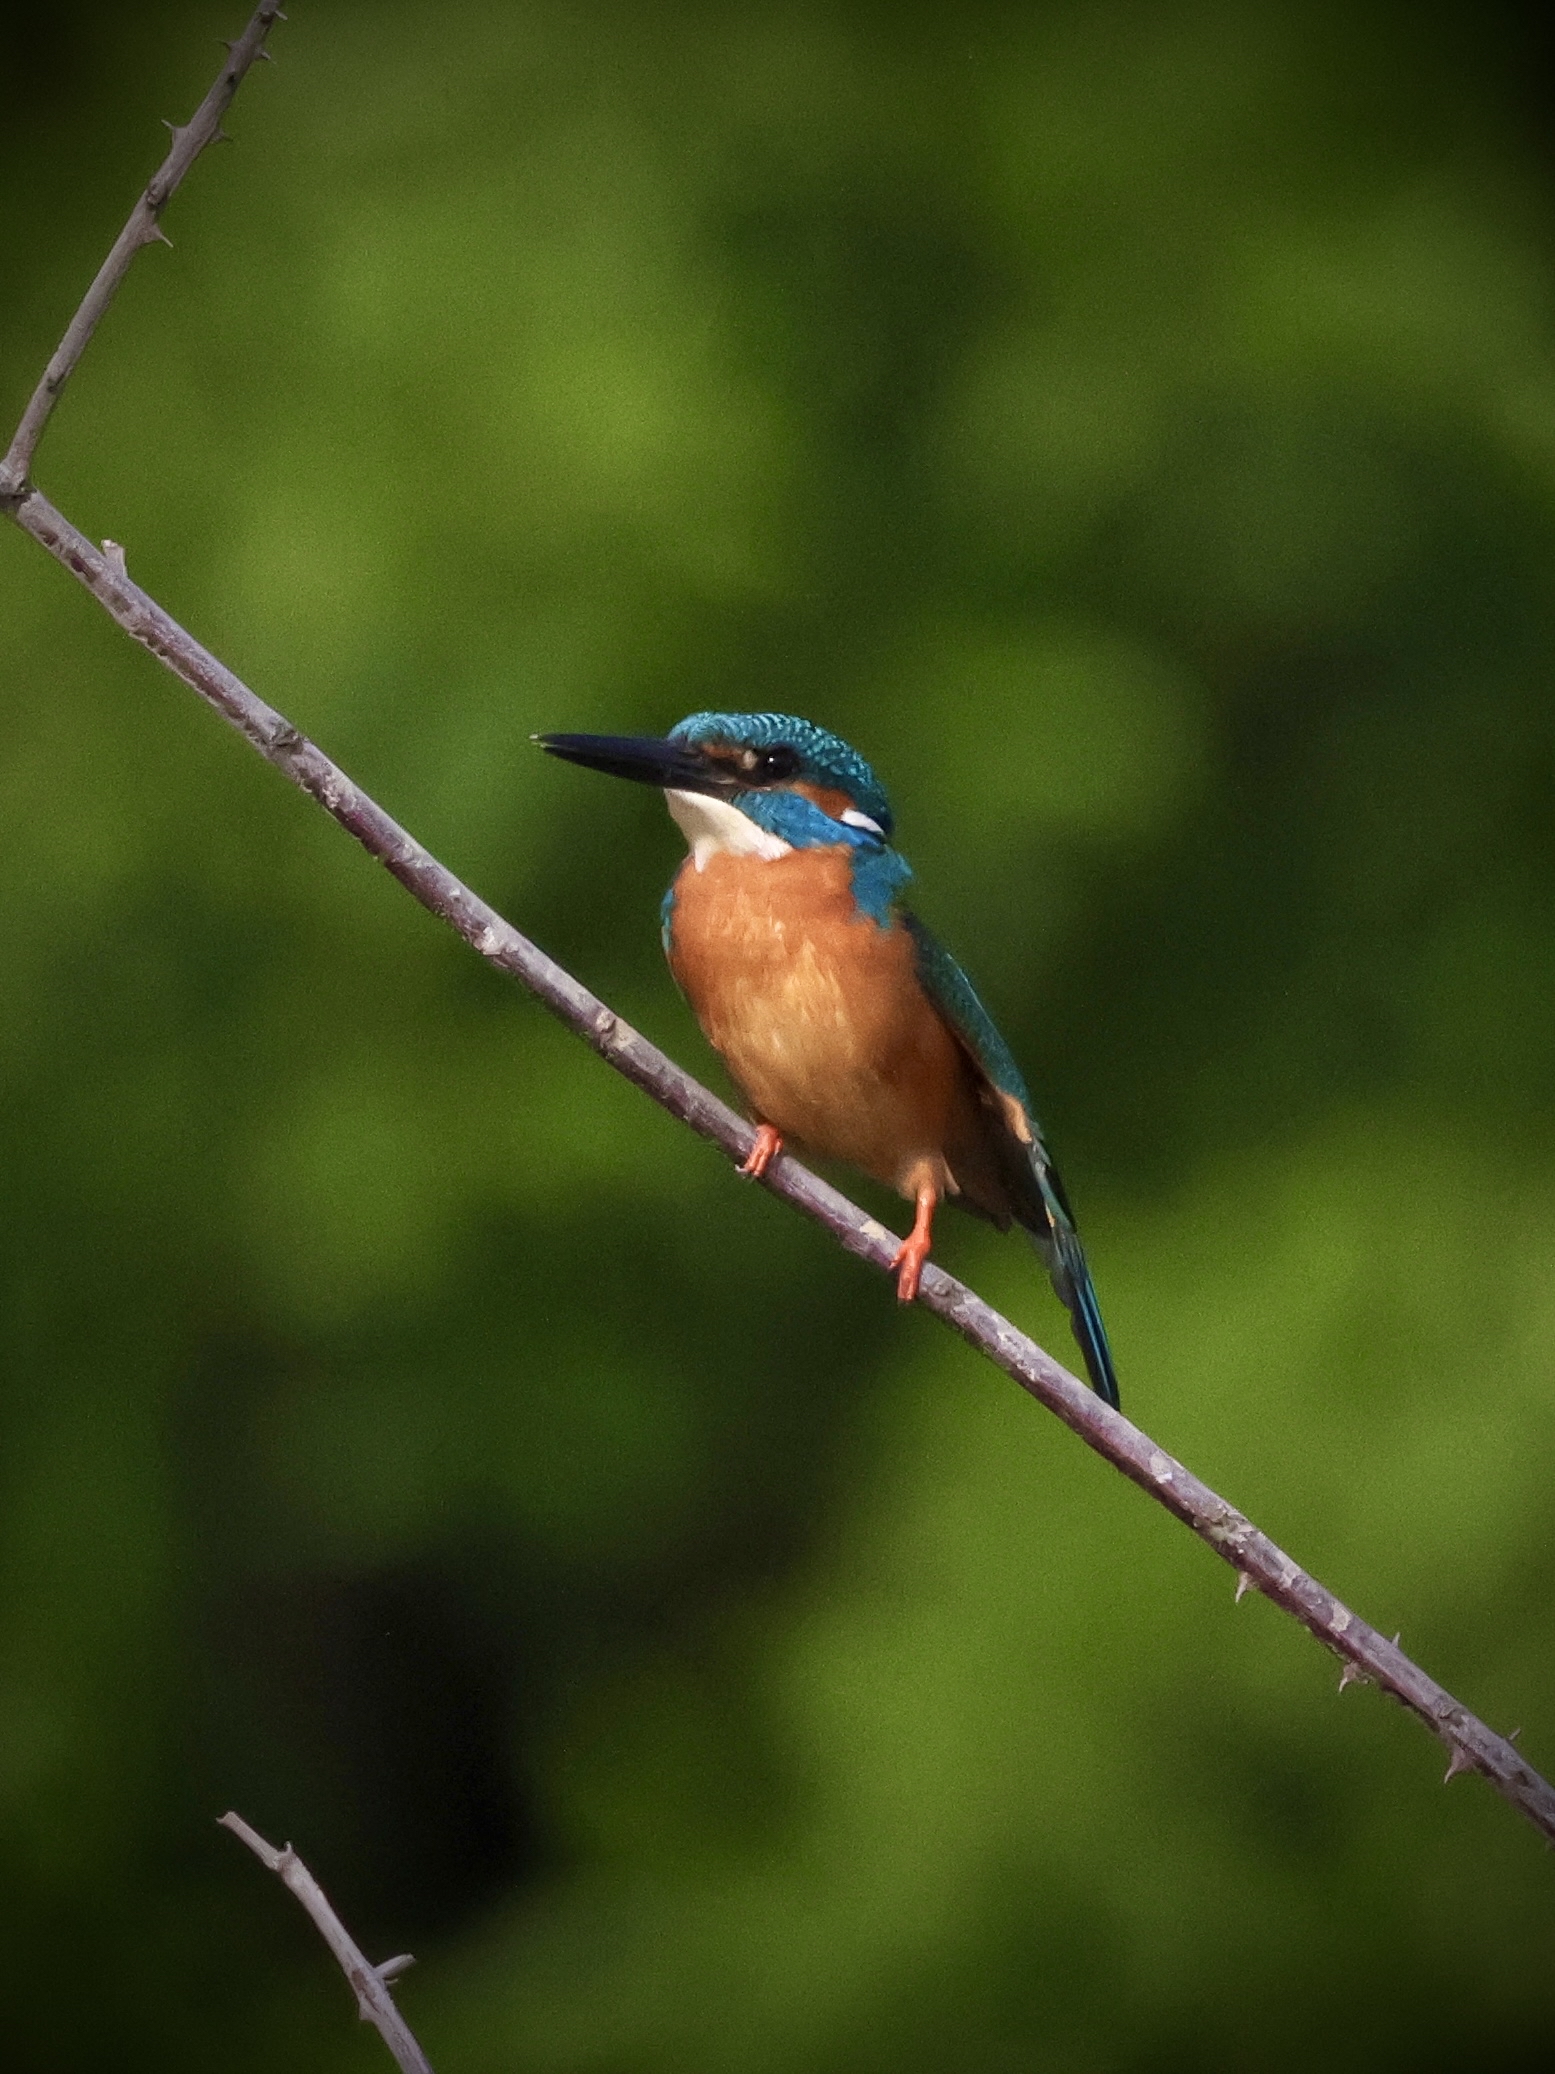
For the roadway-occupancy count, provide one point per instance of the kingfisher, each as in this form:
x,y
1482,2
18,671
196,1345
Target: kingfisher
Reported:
x,y
848,1028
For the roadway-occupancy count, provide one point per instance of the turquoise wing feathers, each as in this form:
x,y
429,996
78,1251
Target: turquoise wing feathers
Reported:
x,y
954,995
1040,1205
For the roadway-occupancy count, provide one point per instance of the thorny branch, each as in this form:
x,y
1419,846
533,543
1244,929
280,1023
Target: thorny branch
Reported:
x,y
1258,1562
370,1983
143,228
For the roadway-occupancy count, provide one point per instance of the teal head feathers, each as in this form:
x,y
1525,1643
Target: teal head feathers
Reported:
x,y
790,752
759,785
767,766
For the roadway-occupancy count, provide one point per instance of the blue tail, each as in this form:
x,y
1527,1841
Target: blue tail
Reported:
x,y
1065,1256
1072,1280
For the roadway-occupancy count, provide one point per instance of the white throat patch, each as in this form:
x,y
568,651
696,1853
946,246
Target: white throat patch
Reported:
x,y
712,826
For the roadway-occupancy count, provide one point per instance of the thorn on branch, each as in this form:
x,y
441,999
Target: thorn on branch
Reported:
x,y
1460,1761
1351,1675
369,1983
113,555
1244,1585
156,235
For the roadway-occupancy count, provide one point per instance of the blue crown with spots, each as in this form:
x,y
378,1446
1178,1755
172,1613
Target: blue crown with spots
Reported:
x,y
824,759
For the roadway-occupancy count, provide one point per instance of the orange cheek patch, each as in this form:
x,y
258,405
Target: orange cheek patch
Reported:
x,y
827,797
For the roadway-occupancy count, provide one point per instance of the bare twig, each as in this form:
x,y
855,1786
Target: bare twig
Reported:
x,y
1256,1560
143,228
370,1984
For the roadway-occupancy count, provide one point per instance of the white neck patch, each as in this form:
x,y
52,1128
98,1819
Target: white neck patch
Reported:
x,y
713,828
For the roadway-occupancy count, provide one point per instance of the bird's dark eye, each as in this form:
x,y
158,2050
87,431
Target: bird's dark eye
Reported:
x,y
770,766
750,767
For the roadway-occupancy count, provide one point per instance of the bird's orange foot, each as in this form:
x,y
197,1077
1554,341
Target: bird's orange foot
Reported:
x,y
907,1261
907,1266
769,1143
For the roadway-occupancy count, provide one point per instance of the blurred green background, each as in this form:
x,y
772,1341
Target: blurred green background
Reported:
x,y
1134,426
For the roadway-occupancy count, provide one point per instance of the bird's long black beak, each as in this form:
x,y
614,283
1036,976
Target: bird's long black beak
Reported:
x,y
676,766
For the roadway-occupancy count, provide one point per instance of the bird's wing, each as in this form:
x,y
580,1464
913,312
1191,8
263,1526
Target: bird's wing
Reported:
x,y
1036,1193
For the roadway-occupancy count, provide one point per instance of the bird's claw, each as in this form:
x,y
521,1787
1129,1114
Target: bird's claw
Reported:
x,y
769,1143
907,1261
907,1266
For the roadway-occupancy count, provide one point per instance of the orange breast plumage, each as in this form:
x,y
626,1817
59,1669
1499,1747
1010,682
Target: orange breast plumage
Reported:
x,y
817,1011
